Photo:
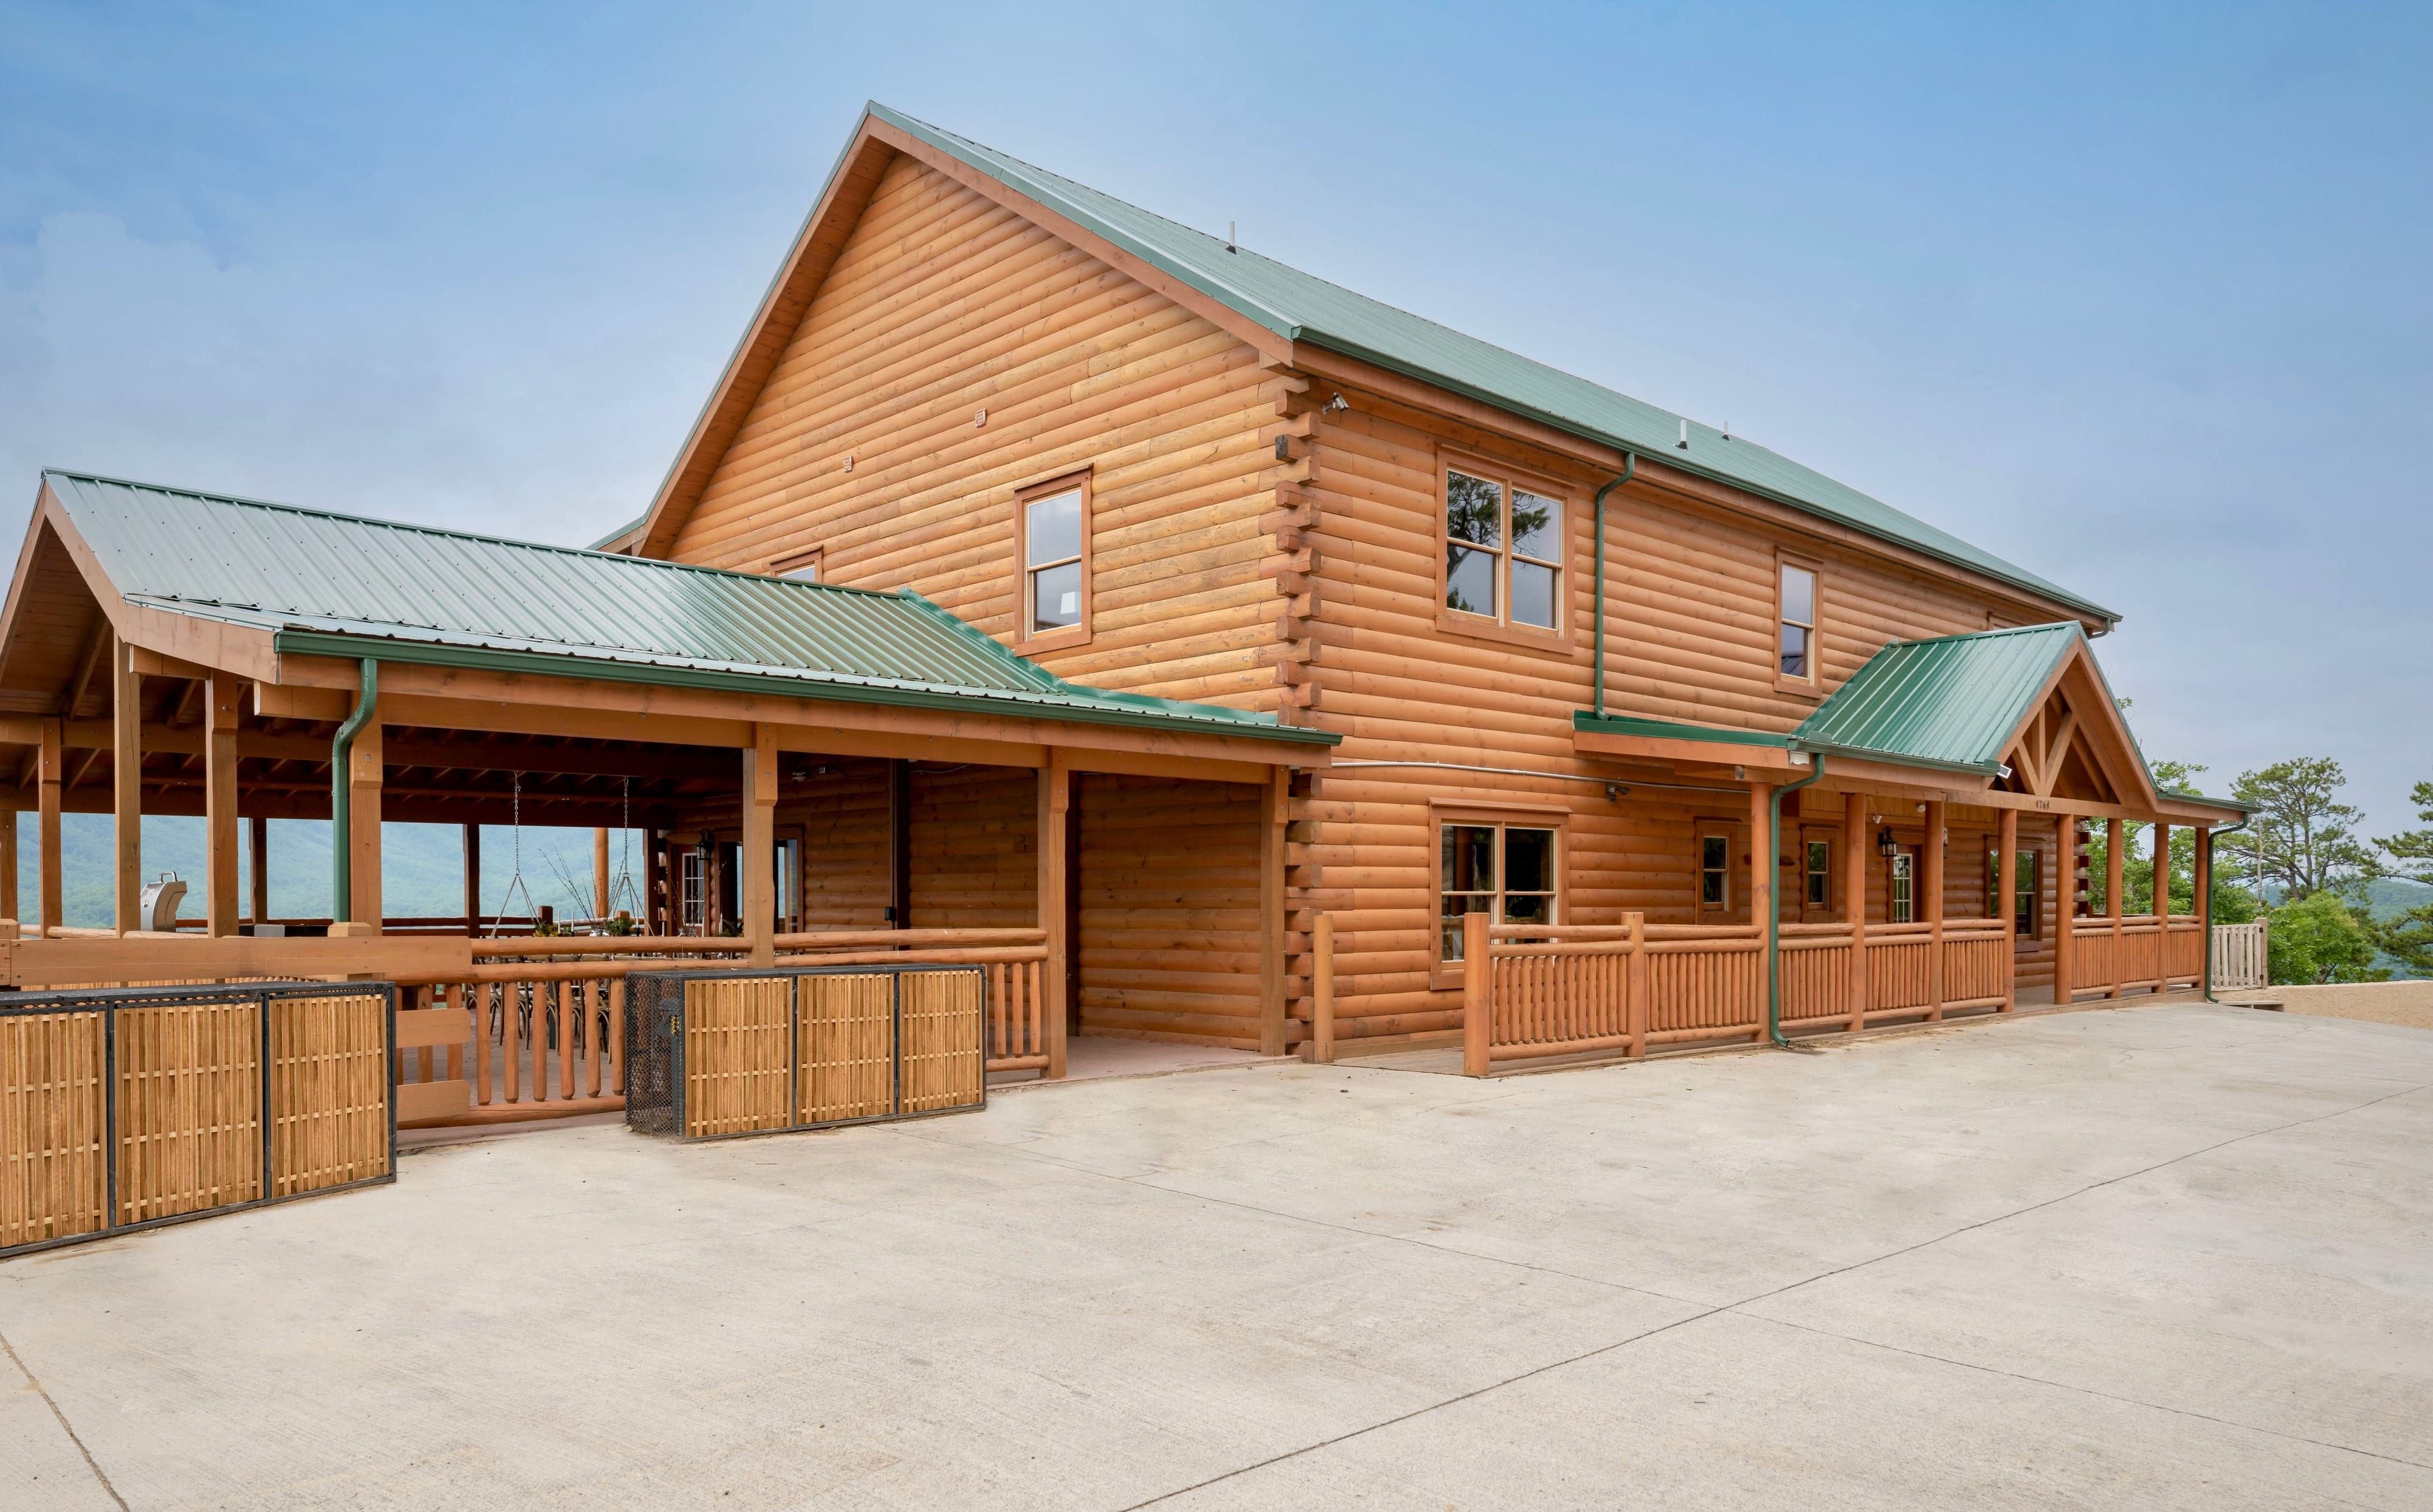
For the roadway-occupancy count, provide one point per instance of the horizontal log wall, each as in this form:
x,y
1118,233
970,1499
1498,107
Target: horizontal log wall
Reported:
x,y
975,865
942,305
1170,909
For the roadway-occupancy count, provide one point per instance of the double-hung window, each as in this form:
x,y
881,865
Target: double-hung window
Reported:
x,y
1796,613
1052,532
1503,563
1506,872
2023,902
1714,874
1817,882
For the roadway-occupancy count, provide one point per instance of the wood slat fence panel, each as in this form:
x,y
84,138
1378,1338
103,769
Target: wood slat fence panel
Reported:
x,y
1899,972
738,1054
328,1091
847,1041
54,1181
1816,978
189,1107
944,1066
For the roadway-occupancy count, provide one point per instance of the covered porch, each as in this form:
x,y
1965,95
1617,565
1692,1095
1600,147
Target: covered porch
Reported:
x,y
1917,849
822,775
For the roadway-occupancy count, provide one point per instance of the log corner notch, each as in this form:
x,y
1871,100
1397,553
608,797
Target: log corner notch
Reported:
x,y
1291,527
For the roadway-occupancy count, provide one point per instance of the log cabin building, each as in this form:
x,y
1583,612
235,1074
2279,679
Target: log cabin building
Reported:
x,y
1268,666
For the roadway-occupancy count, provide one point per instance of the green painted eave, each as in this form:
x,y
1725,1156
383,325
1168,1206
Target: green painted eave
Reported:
x,y
1586,722
1301,308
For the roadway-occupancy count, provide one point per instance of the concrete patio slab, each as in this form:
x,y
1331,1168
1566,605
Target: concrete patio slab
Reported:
x,y
2163,1256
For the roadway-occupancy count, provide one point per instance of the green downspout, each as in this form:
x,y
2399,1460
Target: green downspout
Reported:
x,y
1629,466
342,891
1774,898
2204,908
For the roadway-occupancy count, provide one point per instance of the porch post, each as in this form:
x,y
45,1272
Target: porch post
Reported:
x,y
127,782
2162,908
46,829
1932,883
258,842
599,871
220,696
1055,801
365,775
1854,900
1272,912
8,867
2115,833
2006,899
1764,862
2065,906
760,889
472,880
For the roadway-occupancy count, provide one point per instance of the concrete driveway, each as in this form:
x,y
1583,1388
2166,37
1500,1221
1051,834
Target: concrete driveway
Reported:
x,y
2159,1257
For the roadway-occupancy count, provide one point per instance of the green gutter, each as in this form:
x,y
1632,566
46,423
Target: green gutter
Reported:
x,y
1629,466
2205,907
1774,898
530,663
342,747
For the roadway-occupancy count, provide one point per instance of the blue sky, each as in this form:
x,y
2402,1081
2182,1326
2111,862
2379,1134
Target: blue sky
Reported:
x,y
2137,297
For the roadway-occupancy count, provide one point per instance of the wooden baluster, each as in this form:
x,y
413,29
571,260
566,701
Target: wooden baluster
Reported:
x,y
565,1037
512,1035
616,1031
477,1002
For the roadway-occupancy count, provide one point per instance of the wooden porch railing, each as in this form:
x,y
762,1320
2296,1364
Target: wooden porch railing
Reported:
x,y
2112,956
1532,992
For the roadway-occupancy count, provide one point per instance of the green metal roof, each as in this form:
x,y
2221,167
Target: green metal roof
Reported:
x,y
1302,308
341,584
1951,703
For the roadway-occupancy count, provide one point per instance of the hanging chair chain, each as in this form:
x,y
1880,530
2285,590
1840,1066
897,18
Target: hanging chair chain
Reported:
x,y
516,872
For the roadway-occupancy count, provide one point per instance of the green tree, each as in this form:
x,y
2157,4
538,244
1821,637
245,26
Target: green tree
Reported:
x,y
2137,872
2301,840
2408,938
2316,939
2410,852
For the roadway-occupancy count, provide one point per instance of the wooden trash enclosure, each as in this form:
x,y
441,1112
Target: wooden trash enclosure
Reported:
x,y
713,1055
122,1110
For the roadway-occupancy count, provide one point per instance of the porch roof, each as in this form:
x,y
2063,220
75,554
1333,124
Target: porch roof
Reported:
x,y
1952,702
341,585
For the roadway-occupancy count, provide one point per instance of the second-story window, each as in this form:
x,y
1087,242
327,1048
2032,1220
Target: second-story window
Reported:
x,y
1795,607
1053,527
1504,550
803,567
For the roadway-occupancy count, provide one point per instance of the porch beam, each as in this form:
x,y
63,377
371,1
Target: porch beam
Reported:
x,y
621,709
1055,801
222,697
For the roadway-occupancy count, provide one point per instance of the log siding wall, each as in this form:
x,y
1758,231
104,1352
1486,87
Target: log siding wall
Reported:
x,y
943,306
1255,547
